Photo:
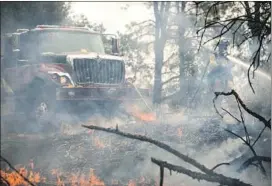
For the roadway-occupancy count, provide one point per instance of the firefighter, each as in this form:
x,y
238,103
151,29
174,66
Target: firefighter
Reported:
x,y
5,89
220,77
7,95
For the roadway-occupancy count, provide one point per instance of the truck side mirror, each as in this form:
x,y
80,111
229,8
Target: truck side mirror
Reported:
x,y
114,43
15,46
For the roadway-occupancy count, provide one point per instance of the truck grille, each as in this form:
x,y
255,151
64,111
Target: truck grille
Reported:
x,y
94,71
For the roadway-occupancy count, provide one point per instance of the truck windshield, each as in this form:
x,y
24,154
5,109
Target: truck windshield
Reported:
x,y
69,41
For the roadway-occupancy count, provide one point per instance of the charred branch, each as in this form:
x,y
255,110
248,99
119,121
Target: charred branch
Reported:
x,y
206,21
247,140
209,175
267,123
239,121
3,181
219,165
200,176
253,159
260,134
9,164
161,175
243,122
215,108
251,148
154,142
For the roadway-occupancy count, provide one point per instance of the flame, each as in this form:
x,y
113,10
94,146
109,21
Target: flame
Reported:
x,y
148,117
56,173
60,179
94,181
76,180
131,183
15,179
72,179
135,111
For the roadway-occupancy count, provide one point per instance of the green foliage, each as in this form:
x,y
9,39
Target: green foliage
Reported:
x,y
136,49
81,20
18,14
243,22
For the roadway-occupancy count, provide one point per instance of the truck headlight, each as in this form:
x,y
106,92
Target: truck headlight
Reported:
x,y
63,80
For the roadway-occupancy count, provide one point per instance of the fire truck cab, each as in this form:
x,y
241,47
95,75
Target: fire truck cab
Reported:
x,y
51,64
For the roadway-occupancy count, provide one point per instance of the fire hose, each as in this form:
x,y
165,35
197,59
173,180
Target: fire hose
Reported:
x,y
141,96
136,113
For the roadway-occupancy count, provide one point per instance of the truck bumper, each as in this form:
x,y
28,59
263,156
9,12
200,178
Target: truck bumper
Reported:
x,y
99,94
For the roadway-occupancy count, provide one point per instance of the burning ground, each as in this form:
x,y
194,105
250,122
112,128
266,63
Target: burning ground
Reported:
x,y
78,156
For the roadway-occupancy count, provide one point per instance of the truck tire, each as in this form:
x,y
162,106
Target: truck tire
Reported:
x,y
41,105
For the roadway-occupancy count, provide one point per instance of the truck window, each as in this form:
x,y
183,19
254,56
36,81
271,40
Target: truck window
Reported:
x,y
69,41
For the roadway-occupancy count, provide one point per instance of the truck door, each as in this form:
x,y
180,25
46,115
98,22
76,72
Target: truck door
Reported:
x,y
14,72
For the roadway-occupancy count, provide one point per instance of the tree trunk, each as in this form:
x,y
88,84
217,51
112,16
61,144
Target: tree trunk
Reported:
x,y
159,44
181,43
254,27
158,69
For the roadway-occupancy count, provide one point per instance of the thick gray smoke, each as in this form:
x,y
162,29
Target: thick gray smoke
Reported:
x,y
198,132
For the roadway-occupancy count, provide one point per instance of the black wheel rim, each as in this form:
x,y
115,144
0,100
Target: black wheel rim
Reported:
x,y
41,110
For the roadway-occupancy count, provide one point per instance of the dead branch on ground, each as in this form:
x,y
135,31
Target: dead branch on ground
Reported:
x,y
154,142
218,165
252,150
253,159
209,175
199,176
246,141
267,123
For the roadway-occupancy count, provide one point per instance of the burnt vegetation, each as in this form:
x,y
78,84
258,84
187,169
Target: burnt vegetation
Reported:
x,y
182,33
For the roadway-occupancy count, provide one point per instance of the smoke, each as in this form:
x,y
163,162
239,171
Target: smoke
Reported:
x,y
71,148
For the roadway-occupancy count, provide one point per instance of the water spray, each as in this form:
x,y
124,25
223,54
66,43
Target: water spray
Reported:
x,y
244,64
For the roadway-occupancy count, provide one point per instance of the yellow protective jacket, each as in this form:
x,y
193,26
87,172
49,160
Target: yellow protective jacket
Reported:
x,y
5,88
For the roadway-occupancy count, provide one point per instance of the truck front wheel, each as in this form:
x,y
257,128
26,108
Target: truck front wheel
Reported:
x,y
41,102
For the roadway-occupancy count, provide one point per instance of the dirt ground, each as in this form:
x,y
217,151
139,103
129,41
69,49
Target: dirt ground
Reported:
x,y
74,149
